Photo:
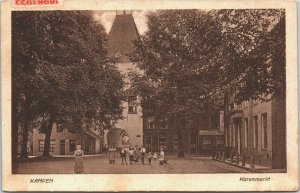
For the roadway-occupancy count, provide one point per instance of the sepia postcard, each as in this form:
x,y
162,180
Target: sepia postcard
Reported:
x,y
140,95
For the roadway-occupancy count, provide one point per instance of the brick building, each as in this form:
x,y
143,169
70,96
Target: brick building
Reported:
x,y
204,138
256,130
64,142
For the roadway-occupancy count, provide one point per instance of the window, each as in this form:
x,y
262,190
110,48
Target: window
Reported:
x,y
220,142
148,142
245,103
226,138
72,145
237,106
162,141
265,97
264,125
245,132
206,142
230,135
163,123
233,136
150,122
215,121
59,128
193,142
231,106
175,141
255,124
151,125
132,105
255,101
42,145
52,146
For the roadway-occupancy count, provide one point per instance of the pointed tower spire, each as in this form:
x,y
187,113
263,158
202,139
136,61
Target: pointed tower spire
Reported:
x,y
121,36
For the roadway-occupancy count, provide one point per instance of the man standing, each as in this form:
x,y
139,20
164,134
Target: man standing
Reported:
x,y
131,151
123,155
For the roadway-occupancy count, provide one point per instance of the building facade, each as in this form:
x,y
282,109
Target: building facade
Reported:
x,y
206,137
256,130
63,142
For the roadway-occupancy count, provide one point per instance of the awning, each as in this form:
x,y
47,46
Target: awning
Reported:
x,y
210,132
237,115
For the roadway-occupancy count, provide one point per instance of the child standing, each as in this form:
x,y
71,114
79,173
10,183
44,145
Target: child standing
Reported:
x,y
149,157
155,156
123,155
131,152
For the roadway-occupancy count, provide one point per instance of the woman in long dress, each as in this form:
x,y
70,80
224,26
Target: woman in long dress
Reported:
x,y
162,159
111,155
78,154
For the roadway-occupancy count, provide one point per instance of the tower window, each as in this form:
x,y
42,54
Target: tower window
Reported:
x,y
132,105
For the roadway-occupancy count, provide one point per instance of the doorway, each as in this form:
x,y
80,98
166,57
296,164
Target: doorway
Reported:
x,y
148,143
62,147
193,143
238,134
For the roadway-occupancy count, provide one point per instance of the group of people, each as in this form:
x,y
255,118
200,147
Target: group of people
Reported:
x,y
136,155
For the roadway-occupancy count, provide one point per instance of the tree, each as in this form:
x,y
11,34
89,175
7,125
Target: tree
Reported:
x,y
175,61
253,52
91,94
23,78
188,60
74,82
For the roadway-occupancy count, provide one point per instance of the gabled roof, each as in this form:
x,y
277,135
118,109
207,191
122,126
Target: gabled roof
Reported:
x,y
121,36
91,134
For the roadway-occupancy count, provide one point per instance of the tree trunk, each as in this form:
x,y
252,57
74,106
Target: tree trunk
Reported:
x,y
180,144
24,153
26,121
48,137
178,119
14,136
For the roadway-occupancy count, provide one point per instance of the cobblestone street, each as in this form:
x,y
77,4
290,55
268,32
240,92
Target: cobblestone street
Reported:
x,y
99,165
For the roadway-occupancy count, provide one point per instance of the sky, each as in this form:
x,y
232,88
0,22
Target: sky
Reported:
x,y
107,17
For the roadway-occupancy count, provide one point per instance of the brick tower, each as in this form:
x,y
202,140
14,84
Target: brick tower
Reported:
x,y
121,37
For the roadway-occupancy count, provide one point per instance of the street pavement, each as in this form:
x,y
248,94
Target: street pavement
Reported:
x,y
99,165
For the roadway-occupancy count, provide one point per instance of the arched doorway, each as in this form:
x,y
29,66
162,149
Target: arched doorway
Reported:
x,y
118,137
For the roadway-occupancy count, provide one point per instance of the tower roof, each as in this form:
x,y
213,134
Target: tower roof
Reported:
x,y
121,36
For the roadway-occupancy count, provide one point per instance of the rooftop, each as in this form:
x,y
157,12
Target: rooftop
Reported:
x,y
121,36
